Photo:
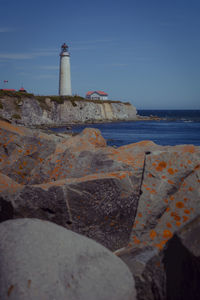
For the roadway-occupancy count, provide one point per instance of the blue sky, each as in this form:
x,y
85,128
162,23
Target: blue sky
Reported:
x,y
143,51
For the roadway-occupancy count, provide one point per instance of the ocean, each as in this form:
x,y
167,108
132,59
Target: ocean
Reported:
x,y
176,127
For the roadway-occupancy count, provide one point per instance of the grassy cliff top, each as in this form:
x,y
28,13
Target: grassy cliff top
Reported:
x,y
57,99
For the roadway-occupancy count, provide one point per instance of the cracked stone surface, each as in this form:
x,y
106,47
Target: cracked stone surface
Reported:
x,y
136,195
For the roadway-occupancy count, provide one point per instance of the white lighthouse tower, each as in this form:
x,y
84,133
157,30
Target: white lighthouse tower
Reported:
x,y
65,76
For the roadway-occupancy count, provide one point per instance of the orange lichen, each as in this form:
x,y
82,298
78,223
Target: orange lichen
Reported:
x,y
150,175
189,148
190,189
185,218
166,201
187,211
170,171
185,199
171,198
121,176
167,234
160,245
169,225
175,216
153,234
168,209
136,240
162,165
170,181
179,204
178,223
153,191
139,215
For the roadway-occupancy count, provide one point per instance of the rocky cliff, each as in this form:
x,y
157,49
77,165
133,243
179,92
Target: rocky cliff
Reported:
x,y
36,110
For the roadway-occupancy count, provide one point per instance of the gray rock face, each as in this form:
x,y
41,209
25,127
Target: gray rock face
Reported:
x,y
172,273
33,112
148,270
40,260
170,195
101,208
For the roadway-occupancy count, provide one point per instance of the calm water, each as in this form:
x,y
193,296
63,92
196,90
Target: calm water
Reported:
x,y
178,127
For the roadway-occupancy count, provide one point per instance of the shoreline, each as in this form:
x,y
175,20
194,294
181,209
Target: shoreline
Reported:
x,y
140,118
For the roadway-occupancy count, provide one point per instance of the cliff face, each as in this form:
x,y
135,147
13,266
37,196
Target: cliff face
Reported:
x,y
37,111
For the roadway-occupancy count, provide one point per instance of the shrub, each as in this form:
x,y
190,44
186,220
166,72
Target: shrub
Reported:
x,y
15,94
16,116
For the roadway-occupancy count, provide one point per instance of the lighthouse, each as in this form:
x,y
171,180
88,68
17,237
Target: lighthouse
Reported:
x,y
65,76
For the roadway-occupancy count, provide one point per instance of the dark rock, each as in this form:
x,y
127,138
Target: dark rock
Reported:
x,y
182,263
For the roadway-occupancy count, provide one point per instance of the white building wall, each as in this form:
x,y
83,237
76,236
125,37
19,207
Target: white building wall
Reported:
x,y
96,96
65,76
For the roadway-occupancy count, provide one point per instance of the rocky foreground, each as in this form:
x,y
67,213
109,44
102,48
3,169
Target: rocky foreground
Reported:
x,y
141,201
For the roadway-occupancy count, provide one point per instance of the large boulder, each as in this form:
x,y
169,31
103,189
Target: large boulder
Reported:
x,y
41,260
170,194
100,206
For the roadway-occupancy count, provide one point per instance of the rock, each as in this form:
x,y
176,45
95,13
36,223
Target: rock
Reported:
x,y
170,195
165,235
40,260
61,176
32,110
182,262
172,273
148,270
100,206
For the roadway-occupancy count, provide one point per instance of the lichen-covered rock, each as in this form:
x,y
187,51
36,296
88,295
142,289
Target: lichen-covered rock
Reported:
x,y
40,260
172,273
170,195
161,183
100,206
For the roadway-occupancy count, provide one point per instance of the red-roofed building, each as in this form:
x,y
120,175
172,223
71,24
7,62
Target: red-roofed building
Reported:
x,y
22,90
97,95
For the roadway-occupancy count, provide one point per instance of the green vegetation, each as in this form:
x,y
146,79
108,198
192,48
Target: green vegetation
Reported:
x,y
42,102
57,99
73,99
15,94
1,105
16,116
